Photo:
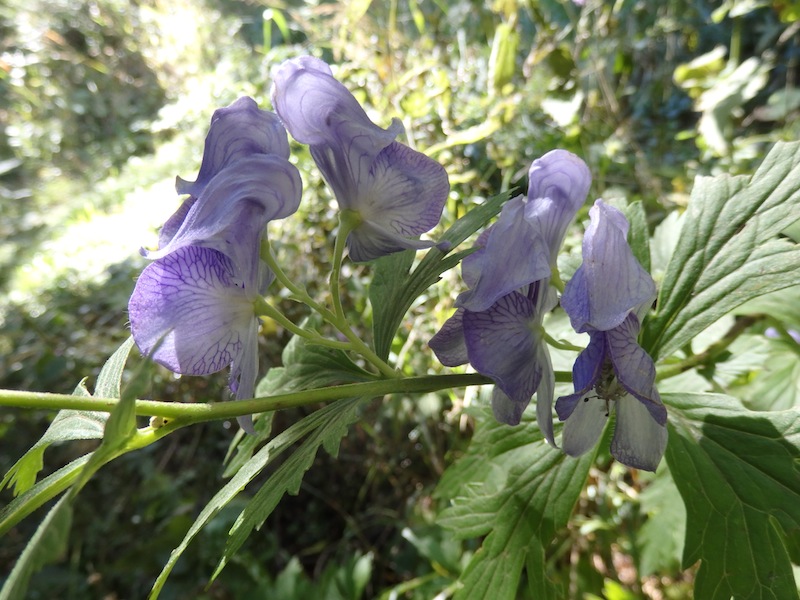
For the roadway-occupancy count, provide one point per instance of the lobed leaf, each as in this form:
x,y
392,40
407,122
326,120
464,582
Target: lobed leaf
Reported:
x,y
245,475
519,492
737,472
47,545
288,477
70,424
728,251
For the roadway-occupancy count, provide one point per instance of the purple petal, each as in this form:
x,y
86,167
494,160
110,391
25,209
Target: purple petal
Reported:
x,y
584,426
585,374
318,110
369,241
634,368
234,208
639,441
501,344
610,283
321,112
189,313
472,265
448,344
174,223
514,256
557,186
236,132
401,197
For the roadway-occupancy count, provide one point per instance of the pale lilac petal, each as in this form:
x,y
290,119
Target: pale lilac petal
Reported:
x,y
405,191
584,426
634,368
558,183
502,345
472,266
448,344
321,112
189,314
397,192
318,110
402,197
370,241
504,409
639,441
514,256
545,393
236,132
244,371
610,283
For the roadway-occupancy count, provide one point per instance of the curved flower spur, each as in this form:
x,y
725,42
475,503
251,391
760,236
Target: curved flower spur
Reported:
x,y
388,193
607,298
498,325
193,309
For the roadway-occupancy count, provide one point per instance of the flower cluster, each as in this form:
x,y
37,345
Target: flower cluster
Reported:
x,y
392,192
195,308
497,326
607,298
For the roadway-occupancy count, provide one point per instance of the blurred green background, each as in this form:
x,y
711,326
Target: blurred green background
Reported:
x,y
103,103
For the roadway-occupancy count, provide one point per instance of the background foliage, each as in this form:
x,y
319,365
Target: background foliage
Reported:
x,y
103,103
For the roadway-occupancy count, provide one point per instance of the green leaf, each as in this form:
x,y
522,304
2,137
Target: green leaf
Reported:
x,y
737,472
67,425
638,234
661,539
391,298
777,387
47,545
728,252
307,366
518,492
245,475
388,281
108,382
70,424
41,493
503,59
288,477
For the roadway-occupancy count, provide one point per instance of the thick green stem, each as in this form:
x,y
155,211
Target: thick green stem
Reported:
x,y
201,412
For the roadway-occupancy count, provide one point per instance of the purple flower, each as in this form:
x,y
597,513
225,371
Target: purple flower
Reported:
x,y
498,325
193,307
396,193
606,298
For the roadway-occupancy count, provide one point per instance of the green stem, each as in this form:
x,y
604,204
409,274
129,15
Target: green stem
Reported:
x,y
710,353
264,309
339,322
300,294
561,344
348,221
201,412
